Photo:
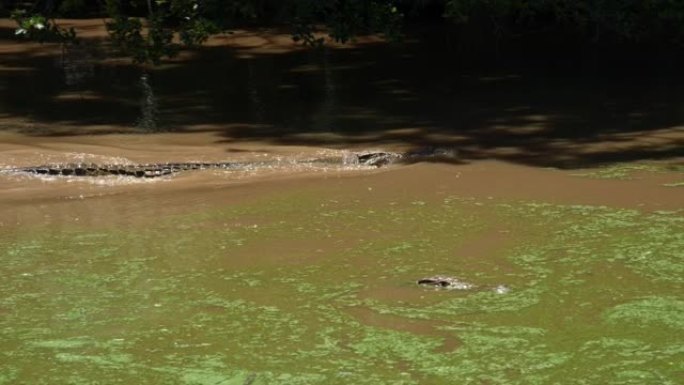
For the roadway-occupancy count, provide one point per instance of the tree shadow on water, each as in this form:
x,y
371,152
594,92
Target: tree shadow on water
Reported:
x,y
373,95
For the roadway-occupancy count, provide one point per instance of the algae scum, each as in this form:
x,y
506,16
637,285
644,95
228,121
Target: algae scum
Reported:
x,y
314,289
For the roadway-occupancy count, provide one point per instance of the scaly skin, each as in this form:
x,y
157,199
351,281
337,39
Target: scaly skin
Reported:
x,y
377,159
138,171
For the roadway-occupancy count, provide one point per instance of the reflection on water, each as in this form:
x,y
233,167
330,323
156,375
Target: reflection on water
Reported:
x,y
149,110
324,116
253,87
78,63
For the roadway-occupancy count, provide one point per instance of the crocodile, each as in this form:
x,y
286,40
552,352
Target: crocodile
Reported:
x,y
452,283
383,158
372,159
445,282
136,170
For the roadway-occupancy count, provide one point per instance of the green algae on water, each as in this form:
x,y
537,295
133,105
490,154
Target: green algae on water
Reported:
x,y
658,311
626,170
263,294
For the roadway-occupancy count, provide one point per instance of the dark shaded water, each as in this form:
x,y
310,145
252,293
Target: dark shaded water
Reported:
x,y
258,86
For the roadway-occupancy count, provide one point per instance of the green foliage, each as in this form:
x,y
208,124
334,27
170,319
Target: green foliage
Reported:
x,y
151,41
127,34
144,29
40,28
343,19
597,20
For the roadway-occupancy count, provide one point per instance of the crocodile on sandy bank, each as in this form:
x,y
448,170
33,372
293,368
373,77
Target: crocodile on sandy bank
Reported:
x,y
375,159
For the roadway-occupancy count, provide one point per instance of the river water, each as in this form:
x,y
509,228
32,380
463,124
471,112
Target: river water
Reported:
x,y
304,273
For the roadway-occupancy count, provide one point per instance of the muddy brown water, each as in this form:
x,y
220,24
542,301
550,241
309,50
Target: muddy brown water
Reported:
x,y
492,180
61,207
209,277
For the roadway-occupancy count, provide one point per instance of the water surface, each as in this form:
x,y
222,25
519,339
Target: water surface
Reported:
x,y
303,273
313,281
